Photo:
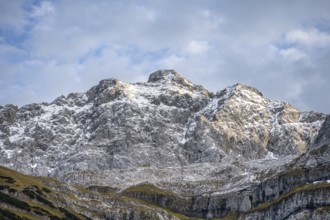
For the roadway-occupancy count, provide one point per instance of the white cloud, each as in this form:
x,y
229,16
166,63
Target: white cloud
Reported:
x,y
197,47
171,62
45,9
293,54
310,37
43,16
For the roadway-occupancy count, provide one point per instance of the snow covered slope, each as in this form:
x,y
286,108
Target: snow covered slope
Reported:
x,y
167,131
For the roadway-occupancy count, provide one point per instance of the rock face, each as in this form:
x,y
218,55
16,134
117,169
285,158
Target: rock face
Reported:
x,y
324,133
221,148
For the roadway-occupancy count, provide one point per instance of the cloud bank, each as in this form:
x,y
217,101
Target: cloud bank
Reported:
x,y
50,48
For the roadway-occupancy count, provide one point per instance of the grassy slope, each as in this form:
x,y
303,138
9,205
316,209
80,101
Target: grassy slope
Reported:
x,y
28,197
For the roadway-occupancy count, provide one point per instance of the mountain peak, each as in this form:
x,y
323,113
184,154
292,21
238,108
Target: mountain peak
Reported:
x,y
242,87
173,77
105,91
240,90
164,75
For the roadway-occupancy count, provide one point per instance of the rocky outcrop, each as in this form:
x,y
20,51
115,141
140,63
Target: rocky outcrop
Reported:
x,y
300,205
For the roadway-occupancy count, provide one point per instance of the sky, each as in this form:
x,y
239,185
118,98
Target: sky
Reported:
x,y
51,48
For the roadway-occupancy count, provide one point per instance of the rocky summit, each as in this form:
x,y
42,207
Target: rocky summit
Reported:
x,y
164,149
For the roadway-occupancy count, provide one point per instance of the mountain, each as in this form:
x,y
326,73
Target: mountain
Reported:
x,y
174,145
